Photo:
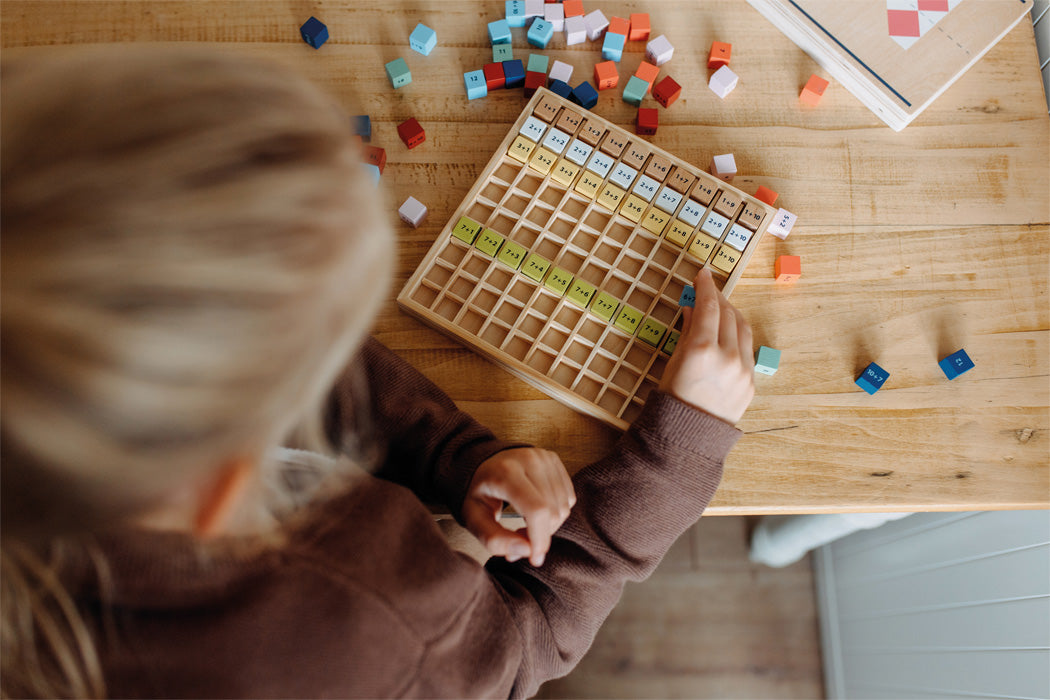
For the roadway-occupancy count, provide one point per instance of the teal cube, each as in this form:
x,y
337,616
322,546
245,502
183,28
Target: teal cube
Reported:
x,y
398,73
537,63
767,361
516,16
540,33
423,39
612,47
502,52
499,32
634,91
475,83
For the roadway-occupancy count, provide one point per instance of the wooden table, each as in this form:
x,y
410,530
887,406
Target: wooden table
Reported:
x,y
914,244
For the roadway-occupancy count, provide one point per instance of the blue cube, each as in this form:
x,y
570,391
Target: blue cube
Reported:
x,y
516,16
955,364
514,72
767,361
502,52
688,297
584,95
540,33
872,378
634,91
373,171
499,32
612,47
423,39
314,32
475,83
398,74
560,88
363,127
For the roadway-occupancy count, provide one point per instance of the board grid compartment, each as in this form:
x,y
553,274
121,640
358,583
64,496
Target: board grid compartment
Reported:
x,y
571,216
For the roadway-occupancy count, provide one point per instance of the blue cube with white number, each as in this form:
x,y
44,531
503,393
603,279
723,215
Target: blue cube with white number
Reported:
x,y
475,83
560,88
499,32
423,39
540,33
956,363
688,297
314,32
767,361
872,378
612,47
516,16
514,72
584,95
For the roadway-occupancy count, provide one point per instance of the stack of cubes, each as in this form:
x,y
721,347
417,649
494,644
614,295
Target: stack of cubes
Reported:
x,y
615,39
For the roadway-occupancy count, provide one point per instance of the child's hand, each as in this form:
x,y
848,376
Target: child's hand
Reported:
x,y
712,367
536,484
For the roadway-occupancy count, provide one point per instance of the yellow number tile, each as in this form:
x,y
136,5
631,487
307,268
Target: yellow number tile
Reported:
x,y
726,259
489,242
633,208
655,221
558,281
605,306
610,197
588,185
542,160
565,172
678,233
628,319
702,246
521,149
536,267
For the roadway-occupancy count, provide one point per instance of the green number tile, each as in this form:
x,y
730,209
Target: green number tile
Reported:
x,y
558,281
605,306
652,332
536,267
511,255
628,319
489,242
502,52
672,342
581,293
466,230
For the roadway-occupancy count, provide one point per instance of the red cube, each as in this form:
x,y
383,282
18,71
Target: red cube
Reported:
x,y
411,132
494,76
533,80
376,156
648,121
667,91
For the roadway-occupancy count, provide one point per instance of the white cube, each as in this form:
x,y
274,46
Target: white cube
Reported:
x,y
533,8
781,224
723,81
575,30
659,50
560,71
724,167
555,14
596,25
412,212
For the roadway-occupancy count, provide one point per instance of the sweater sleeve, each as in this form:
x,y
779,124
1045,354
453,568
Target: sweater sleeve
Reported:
x,y
631,507
426,443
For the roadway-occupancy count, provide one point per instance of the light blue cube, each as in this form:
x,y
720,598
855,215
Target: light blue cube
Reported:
x,y
767,361
540,33
612,47
398,73
955,364
502,52
872,378
537,63
634,91
373,171
499,32
475,83
516,16
423,39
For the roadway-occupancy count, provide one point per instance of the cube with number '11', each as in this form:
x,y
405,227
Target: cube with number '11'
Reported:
x,y
412,212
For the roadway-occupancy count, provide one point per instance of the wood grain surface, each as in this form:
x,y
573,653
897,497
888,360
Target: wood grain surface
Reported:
x,y
913,244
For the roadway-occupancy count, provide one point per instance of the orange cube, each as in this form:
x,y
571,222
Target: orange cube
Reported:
x,y
813,91
766,195
618,25
647,72
573,8
605,75
788,268
719,55
639,26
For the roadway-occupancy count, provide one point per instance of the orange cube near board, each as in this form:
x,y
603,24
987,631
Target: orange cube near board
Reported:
x,y
788,268
639,26
719,56
605,75
813,91
766,195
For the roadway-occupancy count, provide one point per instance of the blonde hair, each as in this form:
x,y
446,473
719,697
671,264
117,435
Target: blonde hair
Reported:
x,y
191,250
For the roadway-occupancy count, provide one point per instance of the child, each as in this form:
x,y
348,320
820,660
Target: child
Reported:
x,y
192,256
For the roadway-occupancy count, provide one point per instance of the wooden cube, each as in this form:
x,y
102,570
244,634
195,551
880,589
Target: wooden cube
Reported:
x,y
376,156
872,378
314,32
605,75
411,132
648,121
494,77
813,91
412,212
573,8
724,167
596,25
955,364
619,25
639,26
659,50
767,360
423,39
533,81
723,81
788,268
667,91
719,56
764,194
647,72
398,74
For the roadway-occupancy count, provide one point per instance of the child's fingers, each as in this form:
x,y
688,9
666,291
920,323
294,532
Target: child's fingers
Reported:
x,y
746,344
481,516
706,313
727,330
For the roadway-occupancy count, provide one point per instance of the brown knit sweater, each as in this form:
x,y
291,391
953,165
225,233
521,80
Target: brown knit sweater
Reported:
x,y
367,599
